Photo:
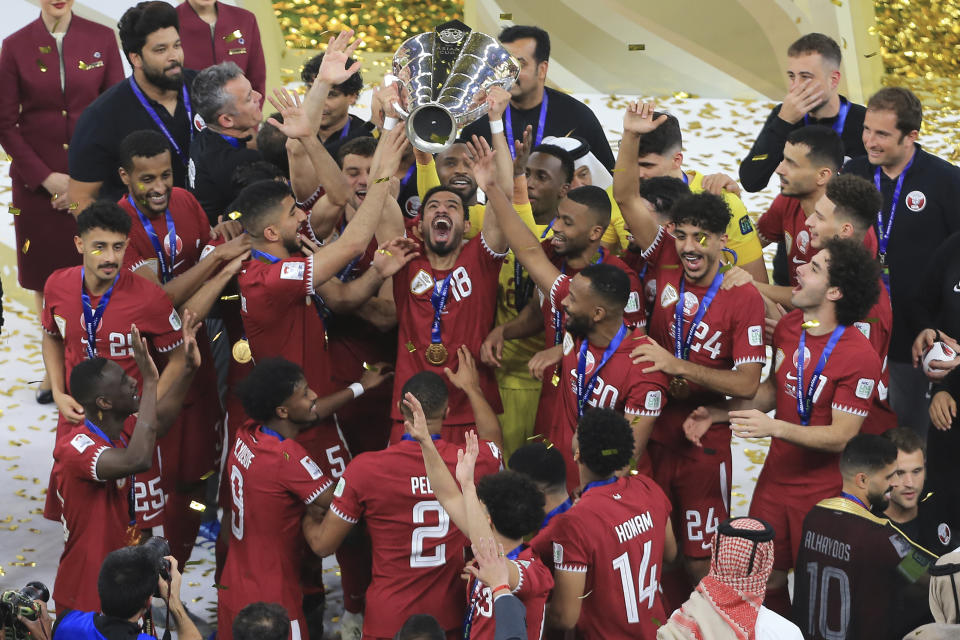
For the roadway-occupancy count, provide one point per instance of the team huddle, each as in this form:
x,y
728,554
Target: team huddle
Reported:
x,y
394,357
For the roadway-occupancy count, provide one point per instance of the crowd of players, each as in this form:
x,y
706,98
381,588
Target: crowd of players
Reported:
x,y
597,324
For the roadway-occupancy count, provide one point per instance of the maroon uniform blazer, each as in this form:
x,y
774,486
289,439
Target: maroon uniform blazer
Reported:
x,y
201,51
37,118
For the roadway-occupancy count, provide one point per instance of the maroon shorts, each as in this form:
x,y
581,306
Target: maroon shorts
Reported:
x,y
784,507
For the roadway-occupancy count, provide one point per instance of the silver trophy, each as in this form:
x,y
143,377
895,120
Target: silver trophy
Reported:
x,y
443,78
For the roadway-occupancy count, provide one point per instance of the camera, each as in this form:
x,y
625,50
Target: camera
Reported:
x,y
158,549
21,603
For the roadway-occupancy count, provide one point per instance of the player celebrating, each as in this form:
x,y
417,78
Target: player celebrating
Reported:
x,y
97,462
417,556
822,385
273,482
613,542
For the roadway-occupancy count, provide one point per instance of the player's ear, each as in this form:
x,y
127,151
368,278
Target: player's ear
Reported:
x,y
270,233
834,294
78,243
103,403
281,412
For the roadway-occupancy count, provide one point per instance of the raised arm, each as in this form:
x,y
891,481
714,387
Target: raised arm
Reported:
x,y
467,379
637,121
484,167
170,403
201,302
497,100
390,258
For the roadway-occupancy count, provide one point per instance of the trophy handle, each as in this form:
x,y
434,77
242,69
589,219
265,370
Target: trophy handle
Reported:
x,y
389,79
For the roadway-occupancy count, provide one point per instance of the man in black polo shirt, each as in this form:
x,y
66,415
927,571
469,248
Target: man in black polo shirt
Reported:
x,y
549,112
813,68
230,109
921,202
155,97
337,124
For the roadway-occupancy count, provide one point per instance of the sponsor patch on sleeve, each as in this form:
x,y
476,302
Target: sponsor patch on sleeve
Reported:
x,y
207,250
311,468
557,553
81,442
755,335
746,227
653,401
864,388
174,320
341,485
633,303
292,270
61,325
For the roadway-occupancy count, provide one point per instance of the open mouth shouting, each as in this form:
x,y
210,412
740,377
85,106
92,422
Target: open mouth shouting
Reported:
x,y
693,262
441,228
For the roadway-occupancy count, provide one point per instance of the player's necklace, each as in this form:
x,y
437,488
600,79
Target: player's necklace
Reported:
x,y
805,394
883,232
584,390
91,317
436,352
679,388
165,268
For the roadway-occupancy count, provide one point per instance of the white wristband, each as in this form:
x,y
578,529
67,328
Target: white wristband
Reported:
x,y
357,389
389,123
496,126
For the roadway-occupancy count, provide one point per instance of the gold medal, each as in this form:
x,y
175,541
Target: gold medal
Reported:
x,y
436,353
679,388
555,380
241,351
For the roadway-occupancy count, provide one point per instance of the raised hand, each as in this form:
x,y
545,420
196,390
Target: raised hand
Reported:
x,y
296,123
391,257
191,324
521,149
482,162
389,154
497,100
141,355
466,376
491,567
467,459
333,69
802,98
639,119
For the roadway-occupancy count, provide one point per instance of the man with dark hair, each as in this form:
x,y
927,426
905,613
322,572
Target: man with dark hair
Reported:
x,y
533,104
858,577
813,72
262,621
544,465
417,555
337,124
822,385
507,506
612,543
920,195
156,96
97,461
930,518
273,483
720,351
126,581
421,626
230,110
88,313
660,154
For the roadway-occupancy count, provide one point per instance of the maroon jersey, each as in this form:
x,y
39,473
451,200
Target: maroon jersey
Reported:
x,y
193,234
854,576
134,300
95,514
785,220
615,534
272,479
848,383
534,587
730,334
877,327
620,385
466,320
417,554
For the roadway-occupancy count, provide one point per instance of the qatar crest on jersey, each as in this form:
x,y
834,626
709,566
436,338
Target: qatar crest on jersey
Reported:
x,y
803,241
916,201
178,242
944,533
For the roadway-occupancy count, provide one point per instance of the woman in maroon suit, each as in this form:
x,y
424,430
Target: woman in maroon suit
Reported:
x,y
50,70
212,32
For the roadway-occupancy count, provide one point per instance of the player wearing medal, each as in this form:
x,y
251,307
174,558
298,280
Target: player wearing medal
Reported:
x,y
88,313
821,397
98,460
417,555
273,483
714,337
590,306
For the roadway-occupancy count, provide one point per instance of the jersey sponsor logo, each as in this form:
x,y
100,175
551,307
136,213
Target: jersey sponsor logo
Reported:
x,y
864,388
81,442
691,303
174,320
341,485
754,335
864,328
944,533
311,467
633,303
292,270
956,288
567,343
589,364
494,449
653,401
668,296
192,174
557,553
61,325
803,241
421,283
916,201
746,227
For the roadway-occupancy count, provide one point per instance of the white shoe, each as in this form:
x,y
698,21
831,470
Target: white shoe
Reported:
x,y
351,626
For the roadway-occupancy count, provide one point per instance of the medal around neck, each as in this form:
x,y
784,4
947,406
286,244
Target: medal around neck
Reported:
x,y
241,351
436,354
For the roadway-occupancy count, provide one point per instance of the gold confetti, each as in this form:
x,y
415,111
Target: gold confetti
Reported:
x,y
96,252
15,211
43,67
506,16
217,337
636,47
26,247
44,49
234,215
198,506
230,297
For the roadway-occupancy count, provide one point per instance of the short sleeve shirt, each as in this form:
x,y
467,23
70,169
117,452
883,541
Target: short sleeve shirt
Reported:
x,y
534,587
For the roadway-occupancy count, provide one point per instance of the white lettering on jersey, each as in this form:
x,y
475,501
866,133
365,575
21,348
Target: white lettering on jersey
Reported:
x,y
421,485
81,442
243,453
311,468
633,527
292,270
864,388
755,335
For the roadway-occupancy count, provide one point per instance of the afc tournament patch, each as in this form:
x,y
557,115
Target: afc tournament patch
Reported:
x,y
864,328
81,442
292,270
311,467
567,343
652,401
916,201
755,335
174,320
341,485
421,283
633,303
864,388
557,553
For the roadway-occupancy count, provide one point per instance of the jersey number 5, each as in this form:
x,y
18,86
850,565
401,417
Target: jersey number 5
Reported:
x,y
648,592
418,559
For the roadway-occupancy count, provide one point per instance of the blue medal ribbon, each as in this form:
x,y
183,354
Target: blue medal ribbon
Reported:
x,y
853,498
686,180
318,302
137,91
584,390
166,269
409,174
131,502
837,125
476,592
407,436
563,507
270,432
345,131
805,396
597,483
883,234
439,300
541,124
91,318
231,140
682,345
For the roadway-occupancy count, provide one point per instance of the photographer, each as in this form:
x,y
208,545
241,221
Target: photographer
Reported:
x,y
129,577
16,618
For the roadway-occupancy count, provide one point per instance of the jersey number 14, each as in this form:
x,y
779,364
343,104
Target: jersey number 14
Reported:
x,y
634,596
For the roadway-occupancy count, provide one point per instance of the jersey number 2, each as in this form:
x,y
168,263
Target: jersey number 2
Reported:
x,y
418,559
